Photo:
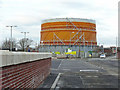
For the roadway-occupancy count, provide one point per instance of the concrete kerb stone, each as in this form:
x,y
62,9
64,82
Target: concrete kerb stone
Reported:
x,y
1,59
10,58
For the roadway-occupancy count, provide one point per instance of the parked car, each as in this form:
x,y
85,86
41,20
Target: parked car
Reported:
x,y
102,56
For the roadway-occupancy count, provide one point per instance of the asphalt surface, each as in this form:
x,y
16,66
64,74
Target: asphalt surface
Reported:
x,y
83,73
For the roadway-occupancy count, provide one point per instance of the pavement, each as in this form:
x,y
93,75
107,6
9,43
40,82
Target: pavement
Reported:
x,y
93,73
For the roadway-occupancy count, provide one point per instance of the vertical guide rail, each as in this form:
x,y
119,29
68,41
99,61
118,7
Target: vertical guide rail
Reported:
x,y
78,37
58,39
76,33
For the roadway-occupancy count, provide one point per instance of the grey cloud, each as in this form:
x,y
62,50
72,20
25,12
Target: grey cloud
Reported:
x,y
34,19
0,4
74,4
41,11
110,41
80,6
85,6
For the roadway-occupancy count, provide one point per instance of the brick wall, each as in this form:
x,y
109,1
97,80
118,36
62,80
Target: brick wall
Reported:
x,y
0,78
25,75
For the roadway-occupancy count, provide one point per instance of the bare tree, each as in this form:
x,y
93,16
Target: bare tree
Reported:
x,y
24,43
7,42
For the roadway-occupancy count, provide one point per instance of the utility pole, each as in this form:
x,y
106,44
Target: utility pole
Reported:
x,y
70,39
84,48
25,34
91,45
79,49
103,47
116,46
11,36
87,47
24,39
91,48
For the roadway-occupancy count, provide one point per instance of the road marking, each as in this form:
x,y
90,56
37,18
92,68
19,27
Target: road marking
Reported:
x,y
53,69
82,80
55,82
91,76
60,69
67,69
88,70
60,64
114,74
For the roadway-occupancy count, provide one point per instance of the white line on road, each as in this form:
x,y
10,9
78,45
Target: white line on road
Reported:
x,y
53,69
92,76
82,80
55,82
60,69
59,64
88,70
67,69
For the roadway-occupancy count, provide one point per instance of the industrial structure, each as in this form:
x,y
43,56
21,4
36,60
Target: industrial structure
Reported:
x,y
58,34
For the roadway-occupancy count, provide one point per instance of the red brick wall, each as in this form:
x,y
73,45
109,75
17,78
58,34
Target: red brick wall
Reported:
x,y
0,78
25,75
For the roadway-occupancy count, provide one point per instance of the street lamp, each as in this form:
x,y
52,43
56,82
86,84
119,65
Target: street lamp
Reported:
x,y
24,39
11,36
91,45
79,49
25,34
84,48
116,46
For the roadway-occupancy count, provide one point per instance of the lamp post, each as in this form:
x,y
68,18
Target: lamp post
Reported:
x,y
25,34
24,39
102,47
11,36
91,45
79,50
84,48
116,46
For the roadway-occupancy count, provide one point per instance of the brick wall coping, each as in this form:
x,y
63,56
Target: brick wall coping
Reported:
x,y
11,58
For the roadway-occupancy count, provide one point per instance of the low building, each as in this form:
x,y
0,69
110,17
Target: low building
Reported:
x,y
118,52
113,50
108,51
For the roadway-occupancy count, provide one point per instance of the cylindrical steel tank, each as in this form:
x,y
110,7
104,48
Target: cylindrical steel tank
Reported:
x,y
68,31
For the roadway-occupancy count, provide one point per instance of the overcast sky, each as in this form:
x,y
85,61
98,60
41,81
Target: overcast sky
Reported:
x,y
28,14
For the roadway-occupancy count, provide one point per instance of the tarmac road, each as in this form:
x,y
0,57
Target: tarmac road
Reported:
x,y
82,73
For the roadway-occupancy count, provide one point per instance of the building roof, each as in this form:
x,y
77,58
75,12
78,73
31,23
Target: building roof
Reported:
x,y
69,20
